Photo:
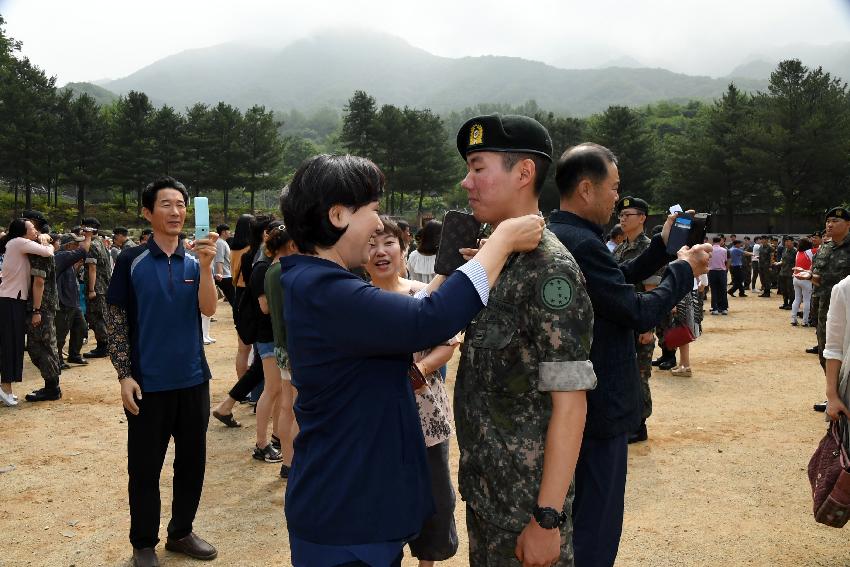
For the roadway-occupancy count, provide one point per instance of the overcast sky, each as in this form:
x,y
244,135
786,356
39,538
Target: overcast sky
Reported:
x,y
80,40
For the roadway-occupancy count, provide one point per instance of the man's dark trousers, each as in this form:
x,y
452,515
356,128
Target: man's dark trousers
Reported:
x,y
70,319
738,283
717,283
184,415
598,505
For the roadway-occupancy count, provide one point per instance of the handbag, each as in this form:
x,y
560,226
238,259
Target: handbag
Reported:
x,y
674,337
829,477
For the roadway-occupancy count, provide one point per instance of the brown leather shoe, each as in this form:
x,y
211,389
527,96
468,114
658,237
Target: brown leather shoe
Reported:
x,y
193,546
145,557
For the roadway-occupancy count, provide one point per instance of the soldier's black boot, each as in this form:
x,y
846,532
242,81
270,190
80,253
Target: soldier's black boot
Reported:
x,y
45,395
639,435
666,355
99,352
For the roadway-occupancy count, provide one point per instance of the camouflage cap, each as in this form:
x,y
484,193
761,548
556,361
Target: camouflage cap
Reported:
x,y
839,213
508,133
69,238
633,203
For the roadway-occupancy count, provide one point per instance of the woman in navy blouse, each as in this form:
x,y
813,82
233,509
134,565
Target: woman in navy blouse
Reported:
x,y
359,487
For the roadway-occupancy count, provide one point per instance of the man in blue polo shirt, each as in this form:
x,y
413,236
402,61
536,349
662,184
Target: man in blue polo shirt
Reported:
x,y
155,301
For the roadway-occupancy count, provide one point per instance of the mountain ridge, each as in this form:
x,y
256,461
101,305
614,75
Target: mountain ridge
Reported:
x,y
324,70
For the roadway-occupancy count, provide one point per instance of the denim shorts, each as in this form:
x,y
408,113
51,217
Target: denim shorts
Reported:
x,y
265,350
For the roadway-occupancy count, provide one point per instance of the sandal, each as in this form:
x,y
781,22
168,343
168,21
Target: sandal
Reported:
x,y
227,419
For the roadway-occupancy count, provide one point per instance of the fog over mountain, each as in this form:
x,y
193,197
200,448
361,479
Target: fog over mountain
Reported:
x,y
326,68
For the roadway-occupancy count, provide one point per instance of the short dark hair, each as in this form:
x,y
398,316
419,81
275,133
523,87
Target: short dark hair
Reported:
x,y
429,242
541,166
221,228
402,224
587,160
321,182
146,232
394,229
805,244
736,242
120,230
167,182
746,238
716,239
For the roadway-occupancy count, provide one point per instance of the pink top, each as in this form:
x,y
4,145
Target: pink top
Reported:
x,y
16,266
718,258
804,260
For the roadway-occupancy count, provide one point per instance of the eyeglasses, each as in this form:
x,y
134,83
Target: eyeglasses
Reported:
x,y
624,215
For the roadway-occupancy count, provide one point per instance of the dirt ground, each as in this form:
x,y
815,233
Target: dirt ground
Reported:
x,y
722,480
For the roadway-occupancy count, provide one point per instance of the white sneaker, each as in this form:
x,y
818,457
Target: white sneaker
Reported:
x,y
208,340
9,400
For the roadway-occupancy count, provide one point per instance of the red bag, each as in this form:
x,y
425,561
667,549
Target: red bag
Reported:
x,y
830,479
674,337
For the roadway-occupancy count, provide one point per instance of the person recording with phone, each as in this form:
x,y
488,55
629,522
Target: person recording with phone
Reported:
x,y
588,181
155,301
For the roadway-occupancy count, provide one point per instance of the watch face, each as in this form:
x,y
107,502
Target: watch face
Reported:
x,y
548,518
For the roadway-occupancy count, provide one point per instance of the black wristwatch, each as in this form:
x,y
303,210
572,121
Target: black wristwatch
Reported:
x,y
549,518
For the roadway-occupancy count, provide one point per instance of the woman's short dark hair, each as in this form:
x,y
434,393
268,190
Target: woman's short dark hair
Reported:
x,y
242,235
258,228
805,244
586,160
149,193
430,242
321,182
391,228
17,229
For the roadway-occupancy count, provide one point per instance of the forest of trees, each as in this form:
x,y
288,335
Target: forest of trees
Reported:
x,y
783,151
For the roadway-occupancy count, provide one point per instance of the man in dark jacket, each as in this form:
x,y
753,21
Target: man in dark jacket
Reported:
x,y
588,181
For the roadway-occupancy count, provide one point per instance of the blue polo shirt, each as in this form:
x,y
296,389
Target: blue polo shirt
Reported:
x,y
160,295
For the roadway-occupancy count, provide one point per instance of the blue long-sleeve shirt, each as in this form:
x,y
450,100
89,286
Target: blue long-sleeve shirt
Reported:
x,y
360,473
614,407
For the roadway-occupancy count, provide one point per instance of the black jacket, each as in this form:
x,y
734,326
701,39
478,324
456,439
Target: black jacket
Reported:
x,y
614,407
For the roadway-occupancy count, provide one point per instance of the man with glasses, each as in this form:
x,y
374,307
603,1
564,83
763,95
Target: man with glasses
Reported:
x,y
632,213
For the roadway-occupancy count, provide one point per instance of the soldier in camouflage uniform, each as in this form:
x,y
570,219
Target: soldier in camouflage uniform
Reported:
x,y
786,271
830,266
765,263
96,274
632,213
524,365
43,302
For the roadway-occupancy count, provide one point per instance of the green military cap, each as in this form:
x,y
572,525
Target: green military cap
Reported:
x,y
633,203
839,213
508,133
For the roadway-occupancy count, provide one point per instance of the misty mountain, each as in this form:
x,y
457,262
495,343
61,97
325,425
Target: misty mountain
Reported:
x,y
324,70
834,59
100,95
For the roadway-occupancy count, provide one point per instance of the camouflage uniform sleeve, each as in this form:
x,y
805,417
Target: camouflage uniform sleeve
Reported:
x,y
560,320
119,340
38,267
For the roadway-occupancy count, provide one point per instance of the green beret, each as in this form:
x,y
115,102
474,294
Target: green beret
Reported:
x,y
633,203
839,213
509,133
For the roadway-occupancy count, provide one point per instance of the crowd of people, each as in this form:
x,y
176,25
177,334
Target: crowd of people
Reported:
x,y
345,329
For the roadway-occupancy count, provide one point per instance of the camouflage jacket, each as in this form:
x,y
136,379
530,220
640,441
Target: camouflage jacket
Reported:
x,y
629,250
789,258
832,264
99,255
45,267
765,255
533,338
